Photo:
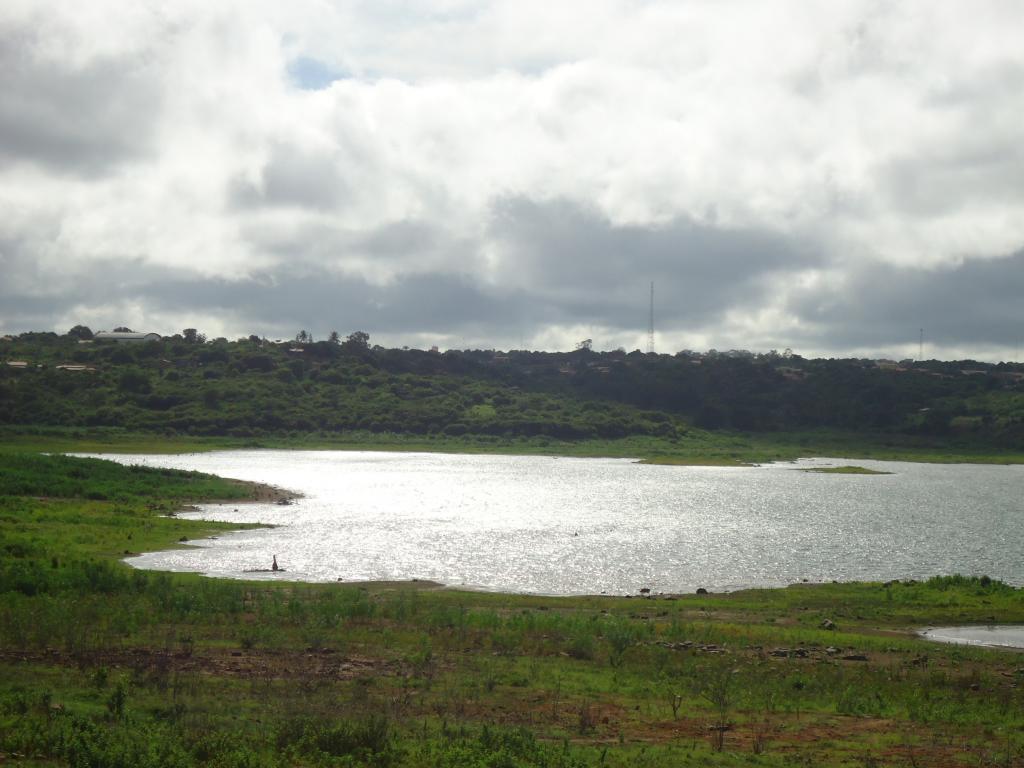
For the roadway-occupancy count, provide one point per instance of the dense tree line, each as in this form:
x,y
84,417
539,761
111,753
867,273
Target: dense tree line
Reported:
x,y
251,387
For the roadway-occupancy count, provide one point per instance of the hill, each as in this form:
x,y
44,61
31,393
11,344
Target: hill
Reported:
x,y
252,388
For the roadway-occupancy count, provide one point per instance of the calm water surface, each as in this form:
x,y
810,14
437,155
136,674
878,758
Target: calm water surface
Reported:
x,y
1005,636
577,526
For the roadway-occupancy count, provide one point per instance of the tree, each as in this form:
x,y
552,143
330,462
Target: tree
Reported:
x,y
192,336
134,380
359,339
717,688
80,332
123,329
334,338
303,337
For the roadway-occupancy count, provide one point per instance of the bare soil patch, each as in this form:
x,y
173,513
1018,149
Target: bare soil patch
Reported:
x,y
246,664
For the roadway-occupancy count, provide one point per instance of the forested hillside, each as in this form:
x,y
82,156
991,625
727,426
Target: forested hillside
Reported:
x,y
252,387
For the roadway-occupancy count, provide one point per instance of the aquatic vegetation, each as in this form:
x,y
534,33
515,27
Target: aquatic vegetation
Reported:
x,y
845,470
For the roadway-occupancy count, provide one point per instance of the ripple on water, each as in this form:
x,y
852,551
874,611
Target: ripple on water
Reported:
x,y
577,526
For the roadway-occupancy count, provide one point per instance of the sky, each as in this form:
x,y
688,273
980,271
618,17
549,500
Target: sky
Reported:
x,y
831,177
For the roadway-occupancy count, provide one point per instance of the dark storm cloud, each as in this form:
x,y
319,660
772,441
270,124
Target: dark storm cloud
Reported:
x,y
322,300
977,303
81,119
562,264
600,273
415,245
28,313
283,303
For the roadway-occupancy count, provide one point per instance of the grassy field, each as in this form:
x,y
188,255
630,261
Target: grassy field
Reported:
x,y
105,666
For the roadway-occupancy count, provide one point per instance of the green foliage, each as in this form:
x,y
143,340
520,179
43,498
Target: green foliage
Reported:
x,y
368,738
620,636
254,389
221,388
493,747
28,474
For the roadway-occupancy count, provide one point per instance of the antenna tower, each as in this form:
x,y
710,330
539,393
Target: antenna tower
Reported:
x,y
650,324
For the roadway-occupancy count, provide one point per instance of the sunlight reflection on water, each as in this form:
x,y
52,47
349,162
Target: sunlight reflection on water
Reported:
x,y
584,526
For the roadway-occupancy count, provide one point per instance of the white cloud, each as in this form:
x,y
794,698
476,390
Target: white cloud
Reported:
x,y
177,137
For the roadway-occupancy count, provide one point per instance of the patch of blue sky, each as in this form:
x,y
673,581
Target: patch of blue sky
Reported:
x,y
312,74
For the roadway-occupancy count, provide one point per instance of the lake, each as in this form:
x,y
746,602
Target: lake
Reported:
x,y
586,526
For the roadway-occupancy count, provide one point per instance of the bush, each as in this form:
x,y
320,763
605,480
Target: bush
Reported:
x,y
336,738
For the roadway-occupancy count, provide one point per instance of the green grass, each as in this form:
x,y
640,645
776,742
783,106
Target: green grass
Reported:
x,y
103,665
80,478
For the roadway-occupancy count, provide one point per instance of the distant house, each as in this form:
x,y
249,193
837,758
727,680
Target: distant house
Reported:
x,y
19,364
120,336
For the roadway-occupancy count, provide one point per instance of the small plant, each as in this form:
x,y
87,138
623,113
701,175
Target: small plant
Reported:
x,y
117,703
585,720
422,660
99,678
717,690
759,744
675,701
621,635
582,645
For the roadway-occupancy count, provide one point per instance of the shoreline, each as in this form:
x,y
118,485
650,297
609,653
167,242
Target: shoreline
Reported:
x,y
718,449
262,493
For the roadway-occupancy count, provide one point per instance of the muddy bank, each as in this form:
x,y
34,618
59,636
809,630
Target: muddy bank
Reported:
x,y
262,492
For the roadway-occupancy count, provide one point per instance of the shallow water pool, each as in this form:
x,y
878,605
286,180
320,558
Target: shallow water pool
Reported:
x,y
1005,636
